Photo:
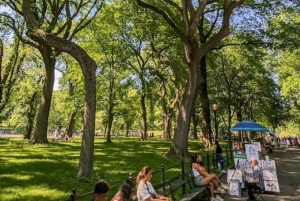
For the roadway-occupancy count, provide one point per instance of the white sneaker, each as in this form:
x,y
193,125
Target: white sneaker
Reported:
x,y
224,186
220,190
224,171
213,199
219,198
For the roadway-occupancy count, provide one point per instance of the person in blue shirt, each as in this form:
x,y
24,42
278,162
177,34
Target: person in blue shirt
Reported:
x,y
256,179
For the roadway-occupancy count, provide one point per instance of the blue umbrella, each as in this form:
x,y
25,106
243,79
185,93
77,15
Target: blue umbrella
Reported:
x,y
249,126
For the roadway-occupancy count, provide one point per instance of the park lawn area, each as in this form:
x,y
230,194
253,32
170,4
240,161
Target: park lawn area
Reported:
x,y
48,172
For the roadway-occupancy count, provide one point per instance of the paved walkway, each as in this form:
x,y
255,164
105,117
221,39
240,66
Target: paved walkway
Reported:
x,y
287,160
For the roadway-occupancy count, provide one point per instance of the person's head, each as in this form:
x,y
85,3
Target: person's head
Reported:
x,y
253,161
101,190
127,190
145,174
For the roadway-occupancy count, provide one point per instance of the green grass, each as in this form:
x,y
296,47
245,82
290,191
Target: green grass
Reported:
x,y
47,172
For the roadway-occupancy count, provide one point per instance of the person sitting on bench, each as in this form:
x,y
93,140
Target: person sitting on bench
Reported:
x,y
256,182
145,190
126,191
201,180
101,191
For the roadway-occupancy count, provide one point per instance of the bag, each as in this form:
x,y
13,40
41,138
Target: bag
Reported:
x,y
263,151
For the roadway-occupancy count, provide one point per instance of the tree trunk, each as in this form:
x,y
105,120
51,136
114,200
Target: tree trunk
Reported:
x,y
144,115
205,105
71,122
180,140
30,115
195,125
41,126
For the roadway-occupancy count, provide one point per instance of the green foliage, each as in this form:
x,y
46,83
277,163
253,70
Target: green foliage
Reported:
x,y
47,172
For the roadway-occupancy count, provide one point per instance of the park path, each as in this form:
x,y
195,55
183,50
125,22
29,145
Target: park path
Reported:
x,y
287,160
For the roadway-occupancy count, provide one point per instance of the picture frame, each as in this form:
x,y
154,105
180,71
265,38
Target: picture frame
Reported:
x,y
251,151
233,174
271,186
235,188
268,165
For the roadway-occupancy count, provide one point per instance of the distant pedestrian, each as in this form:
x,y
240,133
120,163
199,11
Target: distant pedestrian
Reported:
x,y
220,158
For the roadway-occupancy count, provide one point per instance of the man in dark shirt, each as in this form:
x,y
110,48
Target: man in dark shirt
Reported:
x,y
220,158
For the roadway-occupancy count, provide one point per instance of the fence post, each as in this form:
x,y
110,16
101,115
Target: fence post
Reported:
x,y
162,173
213,161
73,196
207,162
227,155
182,172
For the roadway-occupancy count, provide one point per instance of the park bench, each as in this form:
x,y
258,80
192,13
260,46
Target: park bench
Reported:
x,y
182,188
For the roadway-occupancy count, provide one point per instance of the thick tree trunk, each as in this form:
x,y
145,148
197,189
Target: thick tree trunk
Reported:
x,y
180,140
41,126
167,123
205,105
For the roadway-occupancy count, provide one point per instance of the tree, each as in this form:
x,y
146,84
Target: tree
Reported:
x,y
186,27
10,65
49,39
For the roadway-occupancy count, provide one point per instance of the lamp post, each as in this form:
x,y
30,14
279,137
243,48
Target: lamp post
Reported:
x,y
215,108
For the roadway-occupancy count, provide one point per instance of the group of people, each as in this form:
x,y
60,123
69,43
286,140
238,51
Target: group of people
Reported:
x,y
145,190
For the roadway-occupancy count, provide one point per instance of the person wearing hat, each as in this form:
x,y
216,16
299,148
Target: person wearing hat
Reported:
x,y
256,182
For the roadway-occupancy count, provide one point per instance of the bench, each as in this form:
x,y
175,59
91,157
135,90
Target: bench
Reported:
x,y
182,188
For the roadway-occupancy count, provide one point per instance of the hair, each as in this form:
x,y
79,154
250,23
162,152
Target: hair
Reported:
x,y
194,158
145,170
101,187
126,189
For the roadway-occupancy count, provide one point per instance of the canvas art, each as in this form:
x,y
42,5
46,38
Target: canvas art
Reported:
x,y
268,165
234,188
270,175
257,146
251,151
234,175
271,186
235,146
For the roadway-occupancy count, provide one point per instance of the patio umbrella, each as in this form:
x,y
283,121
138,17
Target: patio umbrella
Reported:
x,y
249,126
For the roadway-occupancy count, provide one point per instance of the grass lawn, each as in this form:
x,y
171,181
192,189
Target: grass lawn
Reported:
x,y
47,172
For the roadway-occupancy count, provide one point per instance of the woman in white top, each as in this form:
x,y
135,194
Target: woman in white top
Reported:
x,y
145,191
207,180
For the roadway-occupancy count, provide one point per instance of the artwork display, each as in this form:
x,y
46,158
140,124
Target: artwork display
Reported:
x,y
271,186
270,175
234,175
235,146
268,165
251,151
257,146
234,188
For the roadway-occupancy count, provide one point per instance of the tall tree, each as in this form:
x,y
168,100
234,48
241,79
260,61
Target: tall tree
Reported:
x,y
190,14
10,65
52,39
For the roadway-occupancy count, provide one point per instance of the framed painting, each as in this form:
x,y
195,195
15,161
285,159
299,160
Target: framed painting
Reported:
x,y
235,188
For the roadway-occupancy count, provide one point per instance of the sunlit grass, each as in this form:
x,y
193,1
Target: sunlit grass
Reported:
x,y
48,172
